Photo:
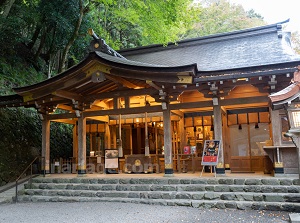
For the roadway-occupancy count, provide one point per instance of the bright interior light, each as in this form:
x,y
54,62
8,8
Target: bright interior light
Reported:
x,y
296,118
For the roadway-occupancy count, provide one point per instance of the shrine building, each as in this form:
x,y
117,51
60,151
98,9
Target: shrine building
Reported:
x,y
158,106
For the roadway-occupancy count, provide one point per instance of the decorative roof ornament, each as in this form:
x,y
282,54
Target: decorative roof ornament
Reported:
x,y
99,44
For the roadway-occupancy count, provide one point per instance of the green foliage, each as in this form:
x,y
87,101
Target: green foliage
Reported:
x,y
61,140
39,31
221,16
125,24
21,141
16,73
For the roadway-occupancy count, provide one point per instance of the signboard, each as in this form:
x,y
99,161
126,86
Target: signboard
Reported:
x,y
111,158
193,150
186,150
210,152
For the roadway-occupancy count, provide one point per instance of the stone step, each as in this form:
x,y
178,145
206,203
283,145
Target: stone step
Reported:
x,y
168,187
220,204
198,195
165,180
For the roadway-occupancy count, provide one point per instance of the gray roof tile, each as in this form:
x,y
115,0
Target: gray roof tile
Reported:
x,y
246,48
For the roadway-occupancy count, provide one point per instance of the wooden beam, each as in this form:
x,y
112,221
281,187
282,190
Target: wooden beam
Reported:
x,y
62,116
100,118
100,104
66,121
68,95
122,81
247,100
153,85
135,110
124,93
139,115
158,108
123,111
65,107
202,104
178,113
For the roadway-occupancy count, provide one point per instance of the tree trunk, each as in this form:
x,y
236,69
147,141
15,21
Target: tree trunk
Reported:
x,y
39,50
5,7
64,57
42,43
35,36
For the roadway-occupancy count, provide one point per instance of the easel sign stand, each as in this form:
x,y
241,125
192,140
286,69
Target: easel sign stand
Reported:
x,y
210,154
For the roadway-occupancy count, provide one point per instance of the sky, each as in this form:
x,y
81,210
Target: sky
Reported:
x,y
275,11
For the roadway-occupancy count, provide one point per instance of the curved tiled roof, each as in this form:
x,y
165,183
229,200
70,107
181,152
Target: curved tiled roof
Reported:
x,y
96,74
288,94
245,48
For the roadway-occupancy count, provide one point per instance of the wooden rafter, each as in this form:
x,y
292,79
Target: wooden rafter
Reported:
x,y
64,107
122,81
123,93
153,85
68,95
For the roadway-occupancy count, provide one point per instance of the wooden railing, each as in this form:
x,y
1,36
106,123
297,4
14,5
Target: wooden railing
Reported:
x,y
30,166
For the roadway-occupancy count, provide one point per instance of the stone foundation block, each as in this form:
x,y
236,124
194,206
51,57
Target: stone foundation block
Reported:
x,y
273,198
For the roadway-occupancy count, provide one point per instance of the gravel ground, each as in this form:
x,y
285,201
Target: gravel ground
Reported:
x,y
110,212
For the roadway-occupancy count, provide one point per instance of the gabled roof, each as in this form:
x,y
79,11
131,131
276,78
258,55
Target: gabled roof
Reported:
x,y
233,50
287,95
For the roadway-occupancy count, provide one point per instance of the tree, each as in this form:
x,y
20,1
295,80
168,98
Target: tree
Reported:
x,y
219,16
82,10
20,141
131,23
45,32
296,42
5,7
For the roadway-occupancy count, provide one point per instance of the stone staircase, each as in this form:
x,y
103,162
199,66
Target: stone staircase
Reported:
x,y
259,194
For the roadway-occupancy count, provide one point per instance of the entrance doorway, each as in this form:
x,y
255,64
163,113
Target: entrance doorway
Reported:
x,y
246,144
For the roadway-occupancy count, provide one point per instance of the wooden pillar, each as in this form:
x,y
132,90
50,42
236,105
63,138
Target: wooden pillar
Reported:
x,y
226,143
276,136
218,135
46,145
107,140
168,142
296,140
120,146
147,152
75,148
182,134
276,126
156,138
81,145
139,137
130,139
